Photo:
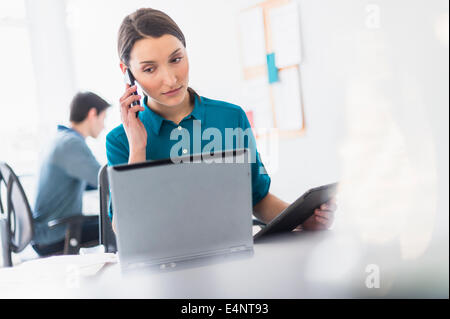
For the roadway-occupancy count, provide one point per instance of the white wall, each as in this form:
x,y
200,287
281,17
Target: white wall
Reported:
x,y
52,62
375,83
375,89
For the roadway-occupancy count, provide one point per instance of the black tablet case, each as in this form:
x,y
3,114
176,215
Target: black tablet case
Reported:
x,y
299,211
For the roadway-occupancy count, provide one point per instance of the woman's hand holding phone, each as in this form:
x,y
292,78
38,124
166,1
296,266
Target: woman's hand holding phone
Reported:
x,y
134,128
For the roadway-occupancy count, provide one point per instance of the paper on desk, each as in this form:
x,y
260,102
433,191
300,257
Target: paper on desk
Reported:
x,y
87,265
55,269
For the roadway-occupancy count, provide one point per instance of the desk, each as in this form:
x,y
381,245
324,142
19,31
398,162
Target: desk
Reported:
x,y
327,264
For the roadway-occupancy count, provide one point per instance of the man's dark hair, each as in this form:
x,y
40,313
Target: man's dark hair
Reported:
x,y
81,104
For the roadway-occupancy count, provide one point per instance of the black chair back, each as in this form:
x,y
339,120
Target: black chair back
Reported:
x,y
18,211
3,186
107,236
4,178
5,250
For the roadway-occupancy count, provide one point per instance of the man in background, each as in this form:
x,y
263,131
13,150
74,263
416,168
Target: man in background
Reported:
x,y
68,169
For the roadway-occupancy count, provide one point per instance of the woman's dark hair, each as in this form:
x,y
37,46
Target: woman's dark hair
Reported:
x,y
83,102
147,22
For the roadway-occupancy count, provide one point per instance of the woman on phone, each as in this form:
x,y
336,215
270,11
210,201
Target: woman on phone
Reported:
x,y
152,47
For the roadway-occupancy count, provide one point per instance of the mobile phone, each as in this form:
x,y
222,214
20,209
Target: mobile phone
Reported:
x,y
129,79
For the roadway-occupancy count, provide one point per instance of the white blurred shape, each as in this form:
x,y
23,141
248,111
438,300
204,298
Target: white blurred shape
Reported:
x,y
389,186
441,27
332,261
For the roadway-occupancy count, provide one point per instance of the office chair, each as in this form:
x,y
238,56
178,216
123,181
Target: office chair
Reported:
x,y
5,258
16,222
107,236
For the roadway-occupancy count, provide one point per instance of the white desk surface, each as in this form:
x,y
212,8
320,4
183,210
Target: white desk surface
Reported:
x,y
326,264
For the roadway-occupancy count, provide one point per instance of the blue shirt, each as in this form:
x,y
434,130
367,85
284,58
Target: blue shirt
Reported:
x,y
68,167
209,127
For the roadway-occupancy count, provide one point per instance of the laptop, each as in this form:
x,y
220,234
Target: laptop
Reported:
x,y
172,213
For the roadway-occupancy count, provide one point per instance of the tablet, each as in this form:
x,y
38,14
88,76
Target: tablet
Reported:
x,y
298,211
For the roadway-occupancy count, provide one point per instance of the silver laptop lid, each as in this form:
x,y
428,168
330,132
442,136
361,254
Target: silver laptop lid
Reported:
x,y
167,212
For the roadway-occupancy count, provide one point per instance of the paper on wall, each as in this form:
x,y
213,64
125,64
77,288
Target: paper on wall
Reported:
x,y
287,96
255,97
285,26
252,38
